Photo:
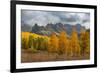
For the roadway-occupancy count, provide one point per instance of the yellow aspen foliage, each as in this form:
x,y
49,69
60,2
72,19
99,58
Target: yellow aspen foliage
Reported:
x,y
82,38
70,47
85,42
63,43
24,40
88,42
53,43
74,44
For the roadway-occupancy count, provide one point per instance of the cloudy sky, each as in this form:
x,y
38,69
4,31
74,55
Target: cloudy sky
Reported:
x,y
30,17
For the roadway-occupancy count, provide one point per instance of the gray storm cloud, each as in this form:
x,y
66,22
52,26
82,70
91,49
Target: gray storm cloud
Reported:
x,y
30,17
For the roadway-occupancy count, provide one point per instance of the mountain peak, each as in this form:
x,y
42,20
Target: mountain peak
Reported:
x,y
57,28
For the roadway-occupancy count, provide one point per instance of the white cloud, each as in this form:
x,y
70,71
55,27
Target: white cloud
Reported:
x,y
44,17
86,24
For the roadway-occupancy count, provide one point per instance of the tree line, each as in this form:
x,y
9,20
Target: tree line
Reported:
x,y
73,45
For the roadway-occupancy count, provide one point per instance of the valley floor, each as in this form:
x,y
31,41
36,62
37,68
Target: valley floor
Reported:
x,y
43,56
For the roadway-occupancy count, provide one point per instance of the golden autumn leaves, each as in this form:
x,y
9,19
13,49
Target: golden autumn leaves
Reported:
x,y
85,42
73,45
63,44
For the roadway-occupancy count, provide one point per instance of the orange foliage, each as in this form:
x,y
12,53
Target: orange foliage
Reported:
x,y
53,43
74,44
63,43
84,42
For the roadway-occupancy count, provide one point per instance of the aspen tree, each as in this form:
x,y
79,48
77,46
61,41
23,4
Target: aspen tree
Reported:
x,y
63,43
53,43
84,42
75,47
